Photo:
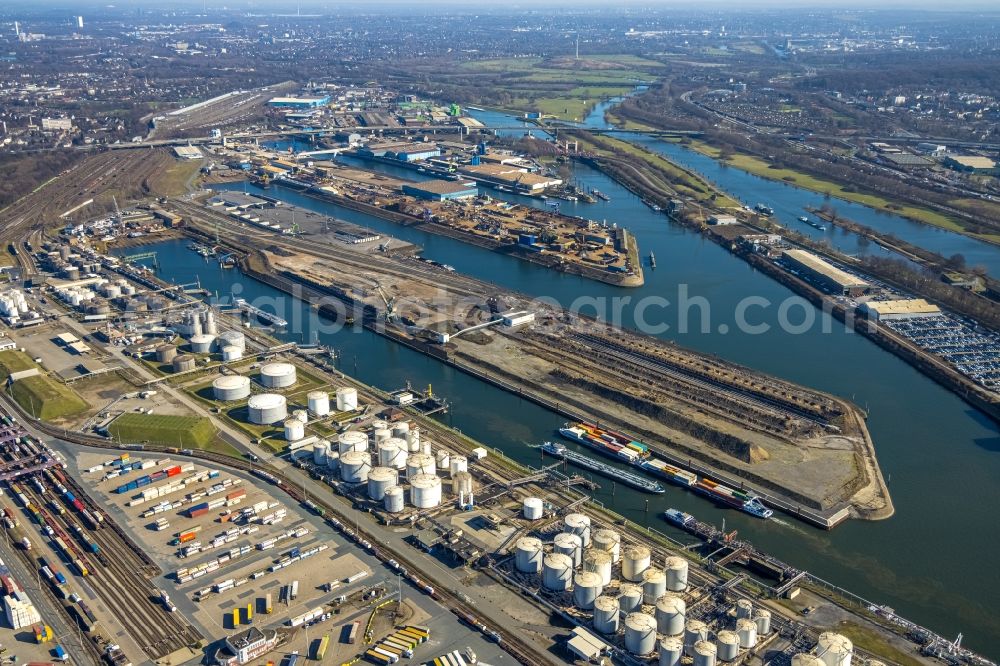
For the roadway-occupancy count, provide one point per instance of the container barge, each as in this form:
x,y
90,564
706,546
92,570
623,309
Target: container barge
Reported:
x,y
634,480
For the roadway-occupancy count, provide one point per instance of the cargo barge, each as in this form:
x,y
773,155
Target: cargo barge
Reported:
x,y
634,480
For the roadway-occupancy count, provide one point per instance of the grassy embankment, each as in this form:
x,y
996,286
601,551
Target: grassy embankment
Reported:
x,y
40,395
169,429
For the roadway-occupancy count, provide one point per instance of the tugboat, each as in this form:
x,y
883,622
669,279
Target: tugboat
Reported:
x,y
766,211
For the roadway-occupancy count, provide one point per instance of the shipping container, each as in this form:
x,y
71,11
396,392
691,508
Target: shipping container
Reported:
x,y
268,608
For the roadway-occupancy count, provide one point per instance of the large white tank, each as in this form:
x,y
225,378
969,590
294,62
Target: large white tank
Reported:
x,y
670,610
654,584
319,403
532,508
413,440
640,633
694,632
231,387
265,408
352,440
587,587
420,463
400,429
347,399
320,451
805,659
598,561
294,430
379,435
355,466
277,375
671,649
232,339
606,615
704,653
380,479
391,454
834,649
443,459
578,523
425,491
569,544
609,540
230,353
635,560
459,464
677,573
629,597
763,619
727,645
528,555
747,630
557,571
394,500
202,344
744,608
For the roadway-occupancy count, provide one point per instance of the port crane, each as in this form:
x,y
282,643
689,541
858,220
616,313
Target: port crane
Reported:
x,y
389,302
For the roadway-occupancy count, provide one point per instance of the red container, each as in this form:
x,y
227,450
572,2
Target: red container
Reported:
x,y
198,512
173,471
236,494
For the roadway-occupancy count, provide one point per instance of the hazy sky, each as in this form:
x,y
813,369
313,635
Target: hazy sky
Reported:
x,y
523,5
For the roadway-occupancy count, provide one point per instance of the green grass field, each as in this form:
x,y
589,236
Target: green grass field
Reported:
x,y
14,361
188,431
40,395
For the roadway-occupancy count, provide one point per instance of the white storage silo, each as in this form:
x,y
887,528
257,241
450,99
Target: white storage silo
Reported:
x,y
347,399
320,451
211,327
671,649
413,440
391,455
834,649
532,508
277,375
805,659
459,464
332,458
301,415
443,460
425,491
394,500
423,445
352,440
202,344
654,584
694,631
635,560
355,466
557,571
230,353
670,610
640,634
380,479
629,597
727,645
294,430
704,653
379,435
420,463
677,573
763,619
579,523
528,555
265,408
747,631
400,429
606,615
744,609
587,587
608,540
379,424
231,387
598,561
319,403
232,339
569,544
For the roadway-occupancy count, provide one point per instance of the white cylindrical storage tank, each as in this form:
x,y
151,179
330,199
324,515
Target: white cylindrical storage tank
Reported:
x,y
462,485
413,441
294,430
230,353
232,339
677,573
532,508
265,408
640,633
630,597
184,362
379,424
744,609
587,587
202,344
654,584
379,435
606,615
670,610
578,523
352,440
391,455
694,631
332,459
210,325
443,459
400,429
380,479
320,450
727,645
569,544
671,649
355,466
347,399
704,653
747,631
231,387
805,659
763,619
277,375
301,415
608,540
635,560
528,555
425,491
166,353
557,571
834,649
319,403
420,463
393,500
459,464
599,562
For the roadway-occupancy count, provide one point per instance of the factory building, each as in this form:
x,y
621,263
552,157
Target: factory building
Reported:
x,y
911,308
245,647
585,645
824,273
404,152
298,102
441,190
972,164
513,177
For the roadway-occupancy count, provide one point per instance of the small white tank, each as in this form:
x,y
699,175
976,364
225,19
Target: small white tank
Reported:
x,y
677,573
609,540
332,459
301,415
319,403
380,479
578,523
557,572
320,450
834,649
694,631
727,645
202,344
347,399
670,610
587,587
390,454
805,659
393,500
401,429
747,631
569,544
355,466
230,353
704,653
425,491
654,584
640,634
532,508
294,430
424,446
413,440
763,619
528,555
459,464
598,561
671,649
379,435
420,463
352,440
606,615
635,560
379,424
744,609
443,459
629,597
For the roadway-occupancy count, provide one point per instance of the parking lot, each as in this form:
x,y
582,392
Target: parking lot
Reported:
x,y
974,353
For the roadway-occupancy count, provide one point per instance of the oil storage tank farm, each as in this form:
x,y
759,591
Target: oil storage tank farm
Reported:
x,y
277,375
